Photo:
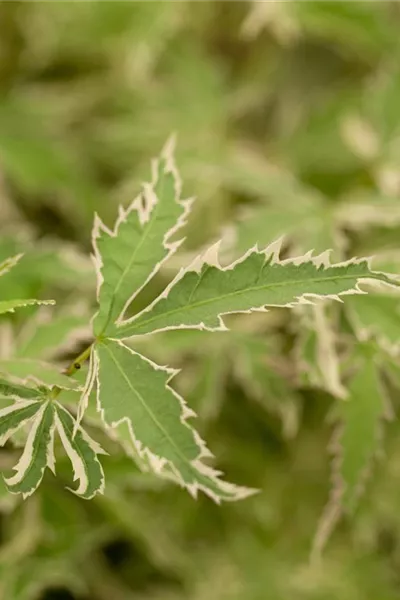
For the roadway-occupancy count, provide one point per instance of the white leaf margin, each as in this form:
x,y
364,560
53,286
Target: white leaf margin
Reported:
x,y
25,459
7,264
24,302
76,461
365,333
272,253
144,204
87,389
16,407
334,510
159,464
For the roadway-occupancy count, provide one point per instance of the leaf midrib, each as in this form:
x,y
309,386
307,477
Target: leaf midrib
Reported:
x,y
147,228
61,411
151,413
35,452
23,410
133,326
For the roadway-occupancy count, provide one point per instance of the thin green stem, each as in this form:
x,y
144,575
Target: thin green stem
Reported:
x,y
78,362
73,368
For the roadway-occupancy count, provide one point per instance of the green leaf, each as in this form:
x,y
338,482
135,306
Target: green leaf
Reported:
x,y
10,305
356,441
48,334
316,347
46,265
269,222
362,210
355,26
7,501
14,390
133,252
309,222
82,451
208,392
135,391
14,416
200,296
7,264
88,387
37,454
262,380
376,316
361,415
36,371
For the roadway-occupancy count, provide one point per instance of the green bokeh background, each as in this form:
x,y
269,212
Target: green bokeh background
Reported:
x,y
283,112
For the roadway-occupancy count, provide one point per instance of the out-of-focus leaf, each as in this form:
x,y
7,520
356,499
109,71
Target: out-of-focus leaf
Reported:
x,y
354,26
376,315
9,306
7,264
49,334
356,441
263,381
36,371
45,265
316,354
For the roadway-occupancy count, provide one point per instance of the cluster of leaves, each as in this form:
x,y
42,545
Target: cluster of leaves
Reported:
x,y
268,152
133,392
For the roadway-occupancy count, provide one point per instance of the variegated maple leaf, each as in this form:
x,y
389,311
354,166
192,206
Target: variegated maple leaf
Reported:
x,y
34,408
357,438
10,305
134,395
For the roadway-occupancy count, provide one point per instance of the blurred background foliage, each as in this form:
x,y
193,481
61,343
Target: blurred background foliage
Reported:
x,y
287,119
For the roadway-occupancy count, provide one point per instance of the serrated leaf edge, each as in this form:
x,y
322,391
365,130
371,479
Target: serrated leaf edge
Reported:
x,y
334,510
76,461
25,302
7,264
159,464
26,456
17,406
271,252
364,333
144,204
